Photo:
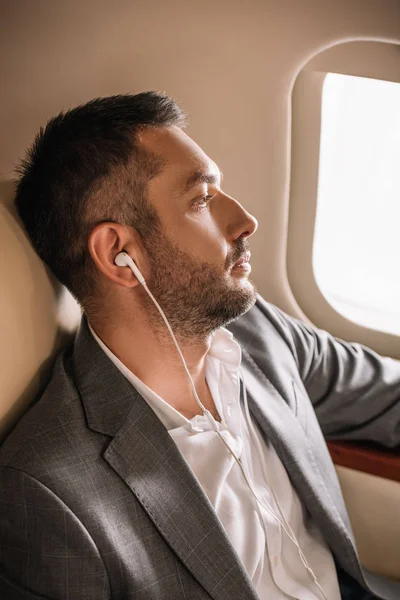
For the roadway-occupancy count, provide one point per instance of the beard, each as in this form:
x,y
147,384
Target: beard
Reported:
x,y
197,298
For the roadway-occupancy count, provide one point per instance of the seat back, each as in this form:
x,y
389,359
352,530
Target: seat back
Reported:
x,y
37,316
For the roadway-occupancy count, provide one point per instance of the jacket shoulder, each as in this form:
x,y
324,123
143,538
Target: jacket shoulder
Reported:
x,y
265,320
58,404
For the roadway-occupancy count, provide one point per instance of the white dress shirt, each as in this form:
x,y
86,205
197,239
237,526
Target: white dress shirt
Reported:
x,y
268,555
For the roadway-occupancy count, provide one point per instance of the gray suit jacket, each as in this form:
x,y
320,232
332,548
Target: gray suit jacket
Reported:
x,y
97,502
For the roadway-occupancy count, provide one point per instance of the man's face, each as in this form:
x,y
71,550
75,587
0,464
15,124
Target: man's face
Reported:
x,y
204,232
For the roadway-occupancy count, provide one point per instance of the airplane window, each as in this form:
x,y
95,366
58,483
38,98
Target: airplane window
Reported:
x,y
356,252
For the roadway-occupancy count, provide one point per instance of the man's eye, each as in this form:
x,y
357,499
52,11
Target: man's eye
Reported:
x,y
202,203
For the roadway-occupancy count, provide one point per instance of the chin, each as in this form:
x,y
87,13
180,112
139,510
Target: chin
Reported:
x,y
239,302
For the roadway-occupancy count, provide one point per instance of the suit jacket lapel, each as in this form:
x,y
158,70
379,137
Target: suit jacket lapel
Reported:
x,y
147,459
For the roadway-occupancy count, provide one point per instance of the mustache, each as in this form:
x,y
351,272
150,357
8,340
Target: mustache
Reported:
x,y
241,249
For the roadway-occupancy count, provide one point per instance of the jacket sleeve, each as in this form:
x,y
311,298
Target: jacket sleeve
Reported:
x,y
45,552
355,391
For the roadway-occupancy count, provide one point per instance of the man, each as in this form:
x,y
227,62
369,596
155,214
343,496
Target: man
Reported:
x,y
114,484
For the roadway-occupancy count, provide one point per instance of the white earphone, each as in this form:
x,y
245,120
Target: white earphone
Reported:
x,y
124,260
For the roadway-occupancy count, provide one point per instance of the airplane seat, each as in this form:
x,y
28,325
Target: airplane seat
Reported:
x,y
37,316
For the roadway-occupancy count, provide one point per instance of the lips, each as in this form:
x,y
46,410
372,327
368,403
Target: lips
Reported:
x,y
244,259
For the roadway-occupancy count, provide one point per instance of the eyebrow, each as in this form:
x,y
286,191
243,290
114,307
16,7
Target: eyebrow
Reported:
x,y
200,176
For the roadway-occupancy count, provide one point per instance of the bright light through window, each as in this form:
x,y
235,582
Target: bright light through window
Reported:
x,y
356,254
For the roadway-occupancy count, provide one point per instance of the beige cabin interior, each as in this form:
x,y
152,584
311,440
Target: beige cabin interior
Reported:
x,y
248,73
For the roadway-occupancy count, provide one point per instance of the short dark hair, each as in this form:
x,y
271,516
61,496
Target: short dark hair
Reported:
x,y
75,176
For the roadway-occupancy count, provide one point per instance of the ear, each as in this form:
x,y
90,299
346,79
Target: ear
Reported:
x,y
107,240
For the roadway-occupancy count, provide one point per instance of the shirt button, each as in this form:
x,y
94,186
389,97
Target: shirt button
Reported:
x,y
276,561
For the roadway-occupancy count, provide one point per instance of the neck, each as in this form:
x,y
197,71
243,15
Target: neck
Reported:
x,y
155,360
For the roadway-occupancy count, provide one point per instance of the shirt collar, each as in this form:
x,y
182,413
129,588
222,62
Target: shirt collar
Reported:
x,y
225,348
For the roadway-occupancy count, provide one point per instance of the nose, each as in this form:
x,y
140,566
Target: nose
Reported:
x,y
251,225
242,222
